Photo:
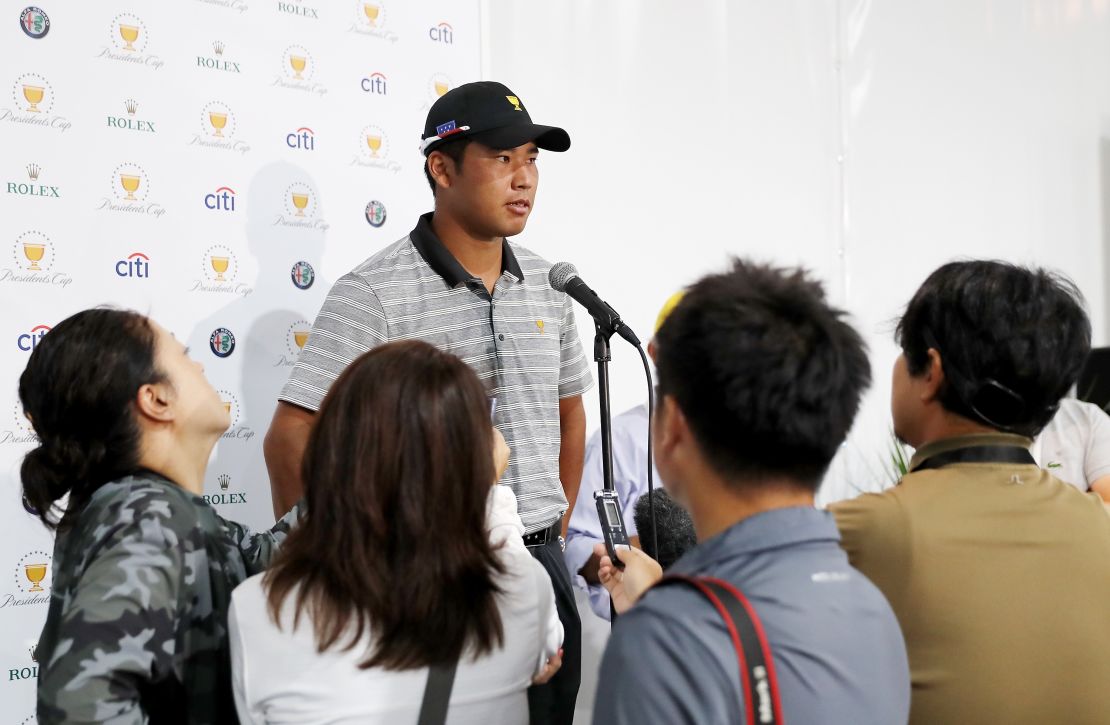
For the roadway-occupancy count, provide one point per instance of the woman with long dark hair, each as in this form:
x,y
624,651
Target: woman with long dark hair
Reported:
x,y
143,566
408,559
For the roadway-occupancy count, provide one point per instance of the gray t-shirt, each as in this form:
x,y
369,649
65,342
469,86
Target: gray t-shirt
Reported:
x,y
836,647
521,341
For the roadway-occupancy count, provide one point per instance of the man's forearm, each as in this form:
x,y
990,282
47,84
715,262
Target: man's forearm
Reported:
x,y
284,449
572,450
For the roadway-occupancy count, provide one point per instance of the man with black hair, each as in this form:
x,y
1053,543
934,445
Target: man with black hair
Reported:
x,y
999,572
457,282
759,380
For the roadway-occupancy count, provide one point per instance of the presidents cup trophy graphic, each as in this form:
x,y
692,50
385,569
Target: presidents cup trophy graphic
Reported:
x,y
35,574
218,121
33,96
300,201
297,62
371,11
130,184
300,337
129,33
374,141
34,252
219,266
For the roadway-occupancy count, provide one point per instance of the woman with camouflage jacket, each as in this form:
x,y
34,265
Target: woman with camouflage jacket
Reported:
x,y
143,566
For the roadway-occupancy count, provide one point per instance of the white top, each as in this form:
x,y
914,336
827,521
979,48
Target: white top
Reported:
x,y
1075,445
279,677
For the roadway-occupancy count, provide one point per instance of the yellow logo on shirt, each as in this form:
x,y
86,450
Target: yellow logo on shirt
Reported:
x,y
539,324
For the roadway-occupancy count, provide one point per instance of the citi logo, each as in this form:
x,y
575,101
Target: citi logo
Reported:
x,y
442,33
303,138
27,341
136,265
376,84
222,199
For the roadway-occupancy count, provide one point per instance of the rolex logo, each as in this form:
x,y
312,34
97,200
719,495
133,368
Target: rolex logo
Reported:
x,y
218,46
225,481
33,171
131,106
32,650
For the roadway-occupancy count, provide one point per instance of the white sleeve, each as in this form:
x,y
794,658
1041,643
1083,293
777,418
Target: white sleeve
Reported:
x,y
502,519
239,669
551,629
1096,462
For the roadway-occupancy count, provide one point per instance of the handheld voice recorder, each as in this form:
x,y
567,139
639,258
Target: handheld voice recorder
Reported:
x,y
612,524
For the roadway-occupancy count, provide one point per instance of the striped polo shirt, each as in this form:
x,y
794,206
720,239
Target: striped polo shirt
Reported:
x,y
521,341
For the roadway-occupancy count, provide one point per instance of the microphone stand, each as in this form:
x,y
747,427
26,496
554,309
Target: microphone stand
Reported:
x,y
602,356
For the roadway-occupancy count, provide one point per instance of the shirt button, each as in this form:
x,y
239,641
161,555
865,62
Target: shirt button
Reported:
x,y
501,338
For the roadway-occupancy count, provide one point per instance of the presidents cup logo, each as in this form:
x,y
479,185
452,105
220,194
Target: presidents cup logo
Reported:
x,y
219,270
370,19
33,257
32,187
130,183
130,191
20,432
297,70
239,5
128,42
217,60
32,103
438,85
32,581
373,150
131,120
295,339
300,208
235,431
218,129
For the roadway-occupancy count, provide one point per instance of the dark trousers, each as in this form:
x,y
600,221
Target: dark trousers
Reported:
x,y
553,703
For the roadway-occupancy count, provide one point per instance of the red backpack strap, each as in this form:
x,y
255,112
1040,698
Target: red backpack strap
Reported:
x,y
762,704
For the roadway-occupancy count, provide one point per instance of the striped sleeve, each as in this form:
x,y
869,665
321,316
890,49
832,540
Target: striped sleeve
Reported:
x,y
574,371
350,323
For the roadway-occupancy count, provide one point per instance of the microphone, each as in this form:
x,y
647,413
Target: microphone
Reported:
x,y
564,277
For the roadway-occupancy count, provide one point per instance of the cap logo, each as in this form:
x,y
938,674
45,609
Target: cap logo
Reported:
x,y
445,128
516,103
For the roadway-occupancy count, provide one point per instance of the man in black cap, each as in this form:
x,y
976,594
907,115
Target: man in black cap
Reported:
x,y
457,282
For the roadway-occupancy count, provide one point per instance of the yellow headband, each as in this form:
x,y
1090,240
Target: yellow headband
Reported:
x,y
668,306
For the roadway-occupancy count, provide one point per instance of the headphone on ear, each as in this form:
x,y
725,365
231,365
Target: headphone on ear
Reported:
x,y
991,401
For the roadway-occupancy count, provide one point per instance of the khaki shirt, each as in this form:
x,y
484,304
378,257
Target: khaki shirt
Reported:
x,y
999,575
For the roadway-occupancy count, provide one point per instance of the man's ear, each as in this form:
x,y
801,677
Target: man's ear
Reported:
x,y
155,401
442,169
673,429
933,377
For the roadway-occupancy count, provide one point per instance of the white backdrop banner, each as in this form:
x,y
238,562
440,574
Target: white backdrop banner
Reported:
x,y
216,164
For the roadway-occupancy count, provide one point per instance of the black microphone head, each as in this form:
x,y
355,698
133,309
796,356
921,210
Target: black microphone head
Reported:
x,y
560,274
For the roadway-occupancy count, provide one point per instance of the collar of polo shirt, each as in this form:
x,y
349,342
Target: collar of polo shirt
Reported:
x,y
444,263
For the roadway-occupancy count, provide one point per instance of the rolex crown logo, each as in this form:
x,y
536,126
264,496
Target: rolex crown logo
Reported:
x,y
33,171
225,481
218,46
132,106
32,650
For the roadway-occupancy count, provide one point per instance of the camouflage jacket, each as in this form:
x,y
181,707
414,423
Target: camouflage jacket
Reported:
x,y
137,626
